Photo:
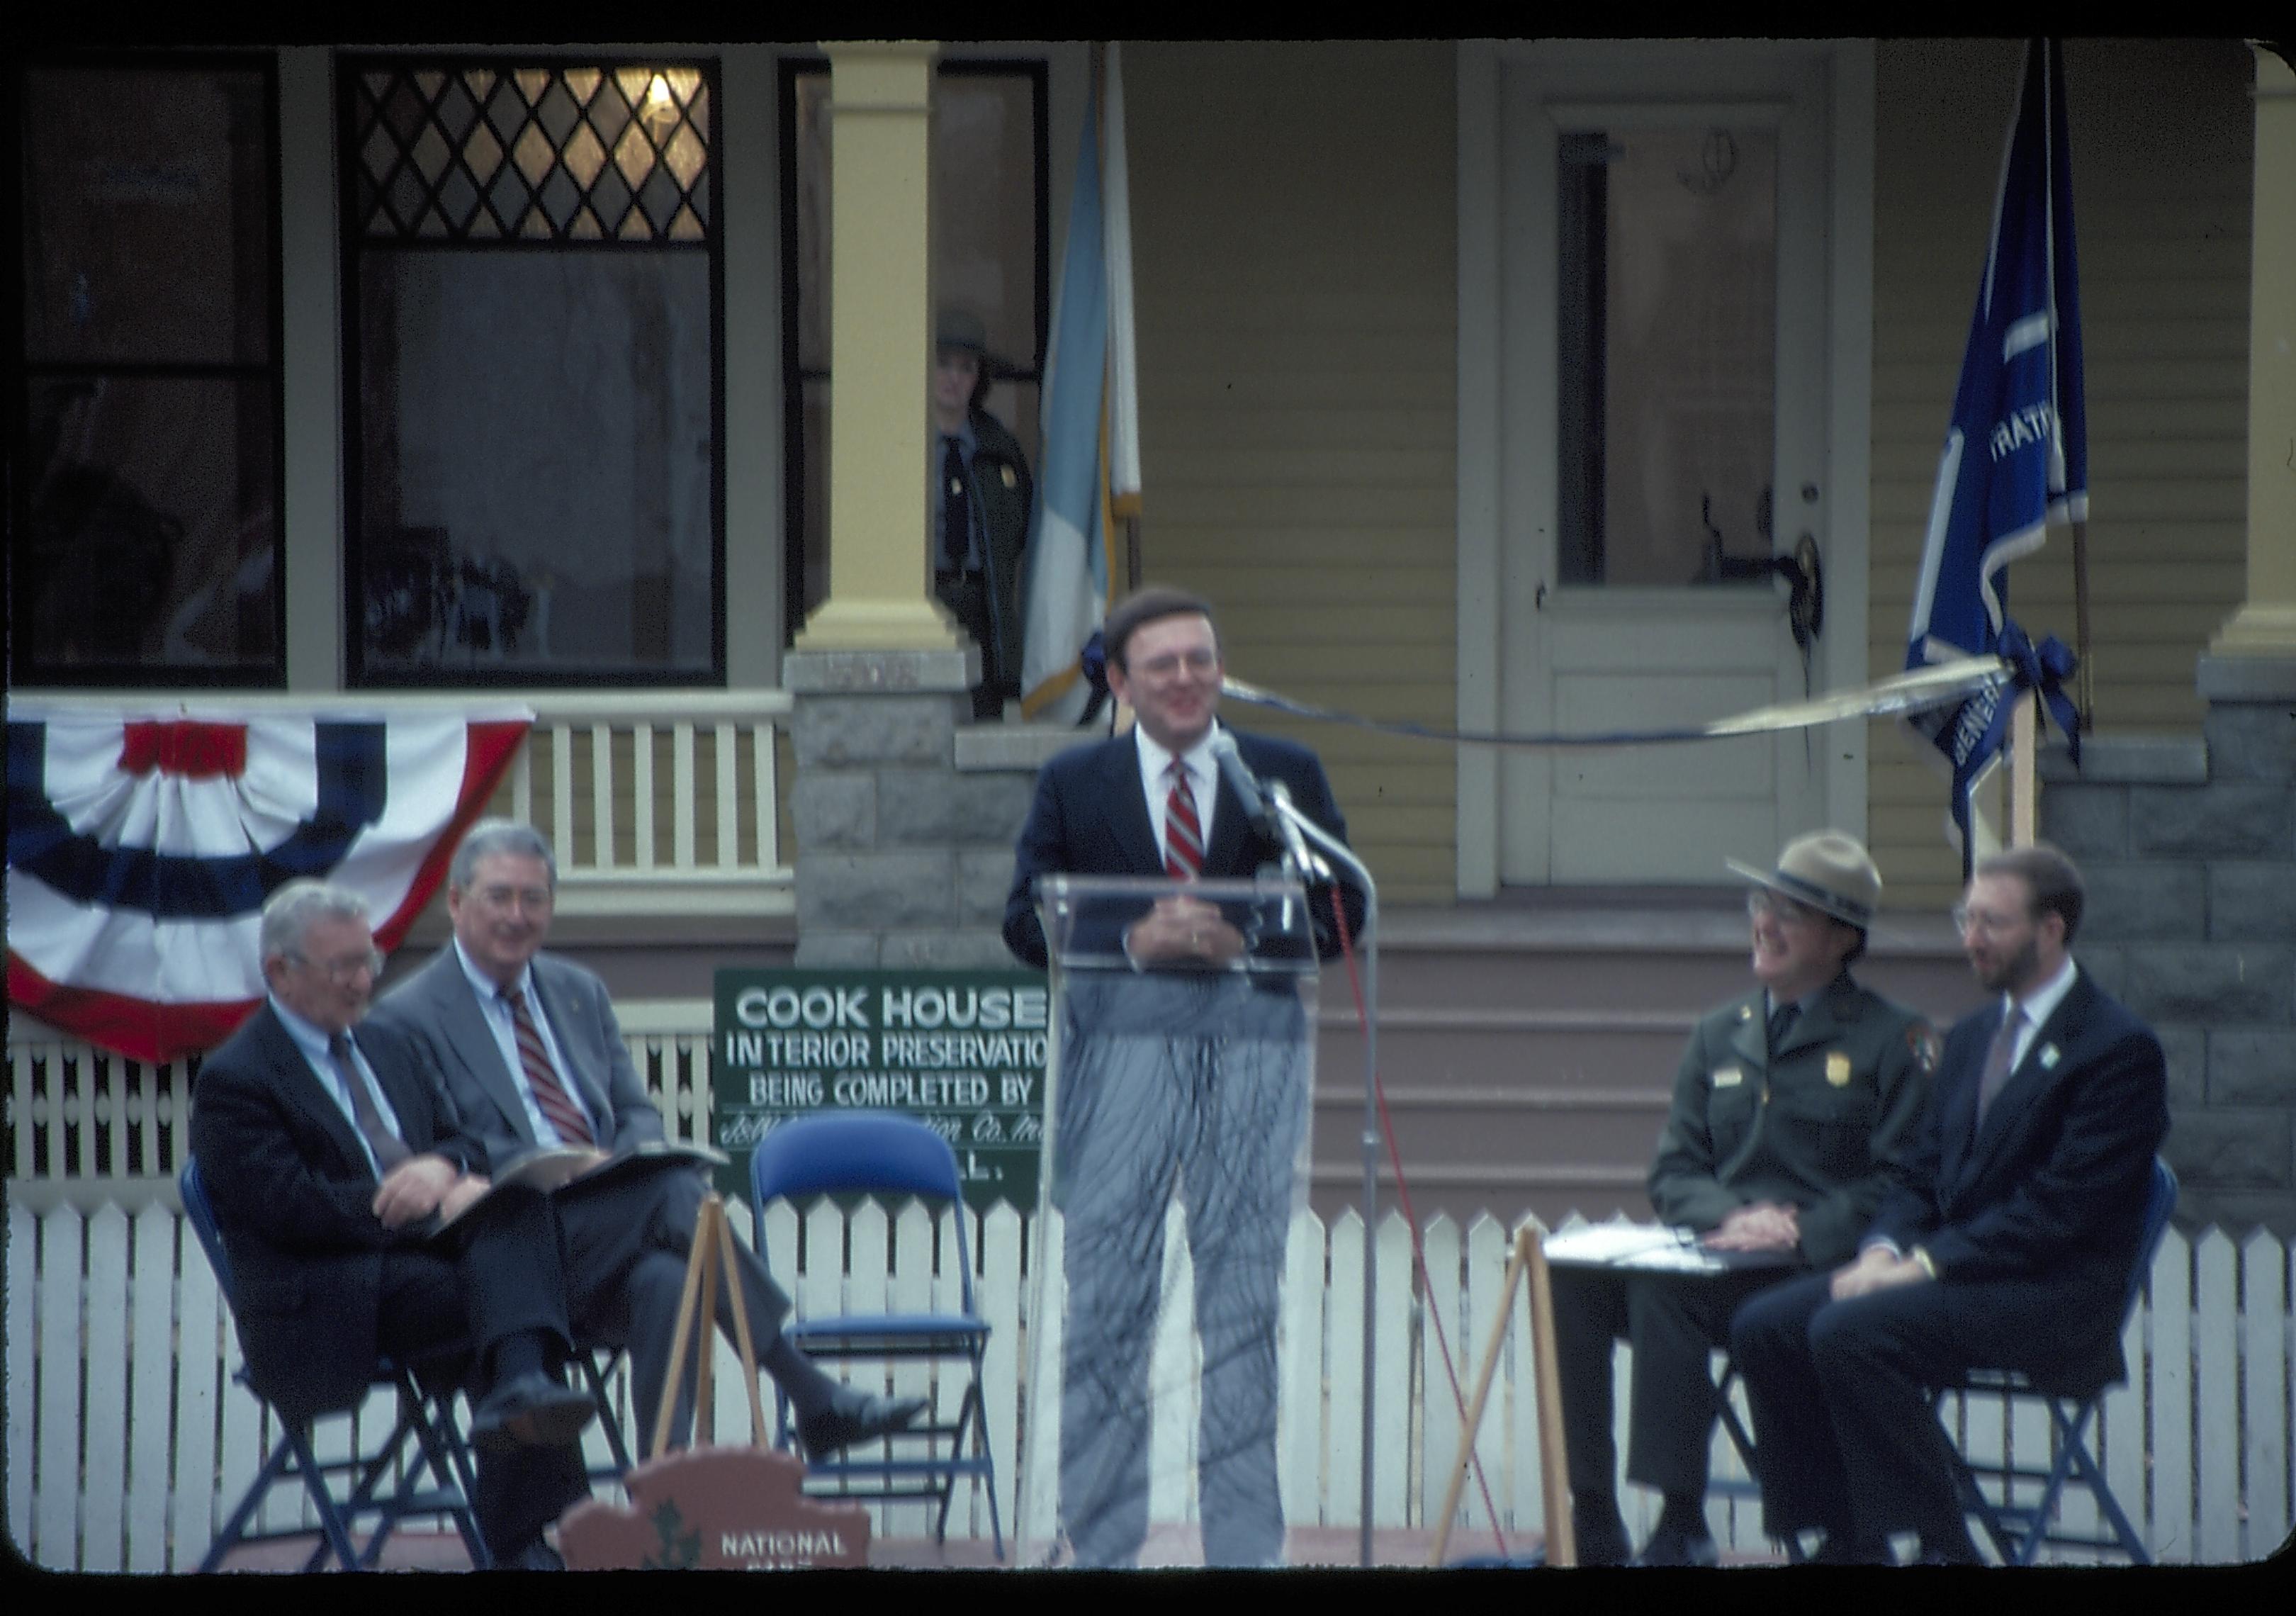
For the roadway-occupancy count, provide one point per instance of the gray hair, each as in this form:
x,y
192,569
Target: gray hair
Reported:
x,y
492,836
290,913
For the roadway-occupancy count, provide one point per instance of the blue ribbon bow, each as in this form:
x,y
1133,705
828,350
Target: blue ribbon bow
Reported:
x,y
2043,667
1092,661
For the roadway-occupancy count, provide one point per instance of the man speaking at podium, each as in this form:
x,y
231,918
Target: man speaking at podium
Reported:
x,y
1200,1077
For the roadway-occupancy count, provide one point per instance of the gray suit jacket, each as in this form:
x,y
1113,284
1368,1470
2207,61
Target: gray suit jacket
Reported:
x,y
438,1008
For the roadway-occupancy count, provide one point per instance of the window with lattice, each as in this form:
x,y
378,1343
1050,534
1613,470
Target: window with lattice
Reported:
x,y
533,308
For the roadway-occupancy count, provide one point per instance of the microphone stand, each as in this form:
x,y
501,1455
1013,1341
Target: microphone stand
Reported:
x,y
1302,862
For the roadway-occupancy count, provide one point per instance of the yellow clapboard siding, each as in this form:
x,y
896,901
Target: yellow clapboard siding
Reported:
x,y
2162,133
1288,545
1308,426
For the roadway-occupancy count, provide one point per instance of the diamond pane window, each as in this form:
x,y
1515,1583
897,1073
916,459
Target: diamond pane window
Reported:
x,y
533,315
608,132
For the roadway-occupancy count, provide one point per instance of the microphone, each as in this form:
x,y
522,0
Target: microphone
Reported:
x,y
1306,860
1243,782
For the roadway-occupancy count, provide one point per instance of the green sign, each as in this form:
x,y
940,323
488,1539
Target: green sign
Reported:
x,y
963,1050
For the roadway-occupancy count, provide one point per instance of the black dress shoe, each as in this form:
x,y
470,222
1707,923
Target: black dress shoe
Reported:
x,y
1848,1548
855,1415
1598,1533
531,1410
1669,1546
534,1556
1953,1549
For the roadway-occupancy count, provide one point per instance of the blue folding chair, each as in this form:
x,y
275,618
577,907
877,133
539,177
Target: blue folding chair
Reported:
x,y
888,1155
2018,1527
384,1489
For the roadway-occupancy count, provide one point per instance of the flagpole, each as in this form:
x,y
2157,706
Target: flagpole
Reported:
x,y
2085,688
2024,735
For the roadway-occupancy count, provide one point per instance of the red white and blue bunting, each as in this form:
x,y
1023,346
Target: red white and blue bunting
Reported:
x,y
142,844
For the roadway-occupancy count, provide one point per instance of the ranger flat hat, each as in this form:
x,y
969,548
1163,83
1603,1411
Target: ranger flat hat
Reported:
x,y
1830,871
962,328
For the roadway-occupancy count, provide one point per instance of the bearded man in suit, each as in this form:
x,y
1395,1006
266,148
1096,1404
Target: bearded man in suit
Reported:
x,y
529,1053
2009,1247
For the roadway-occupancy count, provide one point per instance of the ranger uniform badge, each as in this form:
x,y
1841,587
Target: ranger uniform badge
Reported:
x,y
1837,1068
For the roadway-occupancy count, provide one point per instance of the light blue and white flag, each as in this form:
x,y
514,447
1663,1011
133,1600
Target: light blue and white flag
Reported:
x,y
1092,440
2016,456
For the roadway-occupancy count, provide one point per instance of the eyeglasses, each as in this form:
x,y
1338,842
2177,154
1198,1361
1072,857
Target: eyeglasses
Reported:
x,y
503,898
342,972
1785,910
1966,920
1164,666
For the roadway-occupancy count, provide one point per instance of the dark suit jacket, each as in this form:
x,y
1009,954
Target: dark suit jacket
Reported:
x,y
437,1010
292,1190
2050,1192
1090,817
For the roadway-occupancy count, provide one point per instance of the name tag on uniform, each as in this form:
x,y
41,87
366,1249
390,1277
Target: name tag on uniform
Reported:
x,y
1837,1068
1728,1077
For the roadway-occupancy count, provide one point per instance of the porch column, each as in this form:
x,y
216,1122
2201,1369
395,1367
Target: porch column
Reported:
x,y
881,354
903,856
2266,623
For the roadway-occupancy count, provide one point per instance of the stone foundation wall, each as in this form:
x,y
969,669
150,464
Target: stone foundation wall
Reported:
x,y
2189,849
905,814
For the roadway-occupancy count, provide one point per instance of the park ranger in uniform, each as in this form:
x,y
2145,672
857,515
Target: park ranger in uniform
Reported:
x,y
1795,1104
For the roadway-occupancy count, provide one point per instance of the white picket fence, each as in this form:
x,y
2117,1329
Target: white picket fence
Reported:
x,y
127,1441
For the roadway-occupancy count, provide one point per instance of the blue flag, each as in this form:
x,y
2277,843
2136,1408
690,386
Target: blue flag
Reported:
x,y
2016,456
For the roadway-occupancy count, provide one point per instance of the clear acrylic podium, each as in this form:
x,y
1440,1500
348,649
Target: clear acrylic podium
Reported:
x,y
1175,1158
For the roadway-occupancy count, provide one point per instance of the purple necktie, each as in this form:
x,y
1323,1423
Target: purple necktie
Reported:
x,y
1997,1061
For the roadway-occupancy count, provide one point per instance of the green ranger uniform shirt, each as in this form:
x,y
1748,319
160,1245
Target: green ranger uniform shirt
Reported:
x,y
1825,1128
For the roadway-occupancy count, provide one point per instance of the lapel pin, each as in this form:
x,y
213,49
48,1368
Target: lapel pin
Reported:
x,y
1837,1068
2049,1057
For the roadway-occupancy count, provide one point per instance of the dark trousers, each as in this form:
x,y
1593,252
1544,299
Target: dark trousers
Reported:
x,y
1843,1430
1674,1322
624,1245
496,1277
966,595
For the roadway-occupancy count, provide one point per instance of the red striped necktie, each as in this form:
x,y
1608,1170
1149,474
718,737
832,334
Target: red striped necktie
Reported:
x,y
549,1094
1183,834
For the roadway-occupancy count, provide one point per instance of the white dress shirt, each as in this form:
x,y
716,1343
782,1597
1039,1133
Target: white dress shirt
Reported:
x,y
313,1043
1156,786
497,1010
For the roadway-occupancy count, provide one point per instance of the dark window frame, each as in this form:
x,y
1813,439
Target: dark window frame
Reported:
x,y
23,671
350,242
794,377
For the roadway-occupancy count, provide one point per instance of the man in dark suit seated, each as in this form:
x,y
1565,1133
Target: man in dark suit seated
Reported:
x,y
1193,1071
2009,1248
531,1057
329,1161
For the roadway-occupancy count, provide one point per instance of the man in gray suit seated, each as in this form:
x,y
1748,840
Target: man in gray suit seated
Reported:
x,y
532,1057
